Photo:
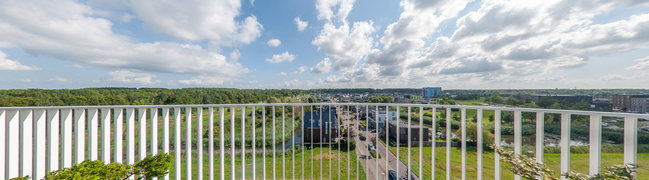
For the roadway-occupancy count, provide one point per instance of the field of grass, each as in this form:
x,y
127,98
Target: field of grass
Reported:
x,y
578,163
472,102
316,165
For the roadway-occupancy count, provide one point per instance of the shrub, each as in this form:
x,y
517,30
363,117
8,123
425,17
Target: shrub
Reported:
x,y
151,166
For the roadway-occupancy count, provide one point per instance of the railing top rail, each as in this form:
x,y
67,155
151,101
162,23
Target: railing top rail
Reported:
x,y
553,111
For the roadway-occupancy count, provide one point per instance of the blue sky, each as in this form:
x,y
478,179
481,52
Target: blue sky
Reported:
x,y
456,44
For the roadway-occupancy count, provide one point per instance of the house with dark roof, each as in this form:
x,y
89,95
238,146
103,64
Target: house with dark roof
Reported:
x,y
321,126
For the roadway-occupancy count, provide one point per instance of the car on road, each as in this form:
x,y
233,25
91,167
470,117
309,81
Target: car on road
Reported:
x,y
361,137
392,175
370,147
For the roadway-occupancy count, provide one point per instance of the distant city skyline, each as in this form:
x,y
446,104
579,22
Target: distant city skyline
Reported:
x,y
453,44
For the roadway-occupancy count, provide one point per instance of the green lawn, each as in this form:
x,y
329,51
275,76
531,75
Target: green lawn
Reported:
x,y
315,156
578,163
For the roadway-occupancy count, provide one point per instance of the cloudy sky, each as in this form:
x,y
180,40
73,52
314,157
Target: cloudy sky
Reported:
x,y
455,44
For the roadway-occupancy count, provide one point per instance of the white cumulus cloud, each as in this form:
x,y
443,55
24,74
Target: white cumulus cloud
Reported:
x,y
279,58
274,42
323,66
301,25
7,64
130,77
300,70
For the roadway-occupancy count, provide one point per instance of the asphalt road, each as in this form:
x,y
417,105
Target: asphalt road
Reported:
x,y
369,163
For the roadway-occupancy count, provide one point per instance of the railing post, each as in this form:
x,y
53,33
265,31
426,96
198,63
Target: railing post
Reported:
x,y
199,142
463,142
243,142
434,133
210,132
421,142
130,136
409,169
13,153
165,134
497,115
631,141
118,113
142,133
3,136
93,128
540,128
448,143
26,142
52,140
79,135
479,144
188,142
565,145
518,140
222,142
154,130
177,143
39,144
595,150
105,135
254,146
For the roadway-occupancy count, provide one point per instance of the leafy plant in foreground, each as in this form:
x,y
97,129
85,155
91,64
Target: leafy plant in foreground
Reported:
x,y
151,166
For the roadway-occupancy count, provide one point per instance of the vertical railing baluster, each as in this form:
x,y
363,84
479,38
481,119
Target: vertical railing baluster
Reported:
x,y
273,141
263,142
565,145
165,134
321,142
398,161
303,136
479,145
210,132
79,135
142,133
13,153
434,134
631,141
448,143
595,141
349,139
518,140
329,134
105,134
93,140
177,143
421,142
118,114
540,127
312,142
387,142
52,140
199,142
188,142
39,144
497,141
232,147
409,168
243,142
154,131
283,146
376,141
293,142
463,141
357,162
222,142
130,136
254,146
3,138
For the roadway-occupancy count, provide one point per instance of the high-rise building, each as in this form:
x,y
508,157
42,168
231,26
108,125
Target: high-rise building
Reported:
x,y
431,92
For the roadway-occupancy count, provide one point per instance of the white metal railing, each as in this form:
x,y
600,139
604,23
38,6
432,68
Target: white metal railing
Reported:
x,y
36,140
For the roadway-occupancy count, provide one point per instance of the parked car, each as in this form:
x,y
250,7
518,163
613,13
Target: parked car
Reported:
x,y
361,137
392,175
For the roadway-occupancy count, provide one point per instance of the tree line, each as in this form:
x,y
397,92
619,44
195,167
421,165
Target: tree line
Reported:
x,y
142,96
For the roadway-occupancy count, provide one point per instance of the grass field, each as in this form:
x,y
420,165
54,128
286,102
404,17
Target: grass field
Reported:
x,y
313,159
578,163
